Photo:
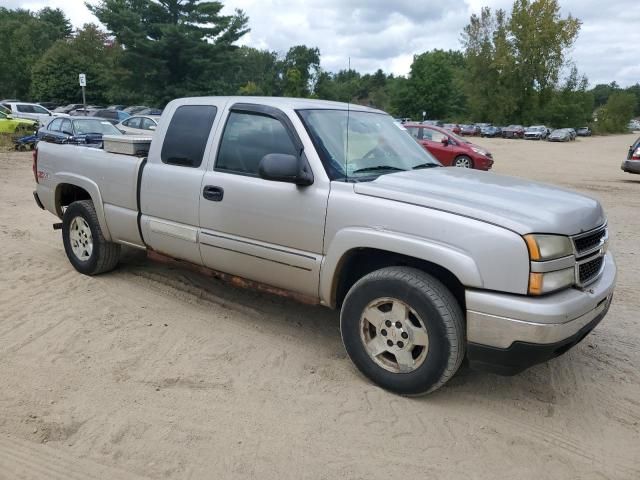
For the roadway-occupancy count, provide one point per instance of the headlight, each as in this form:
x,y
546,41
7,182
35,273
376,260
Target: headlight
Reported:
x,y
548,247
541,283
479,151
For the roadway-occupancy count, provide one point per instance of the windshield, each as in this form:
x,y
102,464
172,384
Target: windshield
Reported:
x,y
373,145
84,127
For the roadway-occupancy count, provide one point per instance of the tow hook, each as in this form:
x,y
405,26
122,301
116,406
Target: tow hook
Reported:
x,y
57,226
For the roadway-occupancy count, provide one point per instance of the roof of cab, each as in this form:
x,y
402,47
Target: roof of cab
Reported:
x,y
284,103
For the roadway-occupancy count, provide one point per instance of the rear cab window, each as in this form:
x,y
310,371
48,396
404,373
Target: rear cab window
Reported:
x,y
187,135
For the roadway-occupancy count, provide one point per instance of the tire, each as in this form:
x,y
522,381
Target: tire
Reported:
x,y
463,161
84,243
431,308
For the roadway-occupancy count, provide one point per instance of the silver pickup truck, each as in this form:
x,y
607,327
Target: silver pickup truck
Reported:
x,y
337,204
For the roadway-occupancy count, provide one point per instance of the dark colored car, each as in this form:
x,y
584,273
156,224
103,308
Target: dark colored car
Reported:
x,y
112,116
452,127
559,135
135,109
68,108
632,163
149,111
77,130
85,112
584,132
49,105
491,131
470,130
513,131
449,148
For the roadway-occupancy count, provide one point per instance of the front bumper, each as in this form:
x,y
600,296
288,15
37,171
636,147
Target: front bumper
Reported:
x,y
507,334
631,166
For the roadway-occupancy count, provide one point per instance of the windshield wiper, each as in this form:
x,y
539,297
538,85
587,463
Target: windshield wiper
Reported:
x,y
379,168
425,165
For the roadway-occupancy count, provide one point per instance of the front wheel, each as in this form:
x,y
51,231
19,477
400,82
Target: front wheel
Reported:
x,y
463,162
87,249
404,330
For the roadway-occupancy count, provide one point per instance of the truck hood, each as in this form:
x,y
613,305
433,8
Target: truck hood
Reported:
x,y
517,204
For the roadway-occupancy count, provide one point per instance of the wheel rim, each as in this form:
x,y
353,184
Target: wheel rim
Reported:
x,y
394,335
463,162
81,239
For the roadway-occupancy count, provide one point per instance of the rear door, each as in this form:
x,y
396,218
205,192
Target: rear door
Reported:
x,y
266,231
171,180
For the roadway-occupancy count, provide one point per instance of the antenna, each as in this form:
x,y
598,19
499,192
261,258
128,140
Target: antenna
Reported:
x,y
346,153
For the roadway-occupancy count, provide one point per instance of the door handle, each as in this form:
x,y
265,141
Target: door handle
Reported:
x,y
212,193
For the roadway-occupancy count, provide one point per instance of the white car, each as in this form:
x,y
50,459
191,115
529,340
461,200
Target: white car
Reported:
x,y
139,125
31,111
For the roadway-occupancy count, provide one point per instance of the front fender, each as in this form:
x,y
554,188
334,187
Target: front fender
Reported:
x,y
94,191
458,262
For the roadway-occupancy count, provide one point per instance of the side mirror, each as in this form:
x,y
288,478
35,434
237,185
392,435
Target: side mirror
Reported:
x,y
66,132
445,142
281,167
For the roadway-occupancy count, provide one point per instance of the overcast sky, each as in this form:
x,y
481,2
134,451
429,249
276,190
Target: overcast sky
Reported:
x,y
387,33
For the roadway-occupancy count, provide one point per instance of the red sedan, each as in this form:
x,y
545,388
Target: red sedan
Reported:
x,y
449,148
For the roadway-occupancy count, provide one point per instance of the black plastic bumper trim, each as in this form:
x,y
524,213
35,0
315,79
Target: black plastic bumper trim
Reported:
x,y
38,202
522,355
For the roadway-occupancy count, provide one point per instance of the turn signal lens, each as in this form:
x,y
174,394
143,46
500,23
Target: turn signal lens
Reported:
x,y
541,283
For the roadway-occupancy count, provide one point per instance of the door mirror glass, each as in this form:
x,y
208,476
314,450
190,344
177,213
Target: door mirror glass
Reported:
x,y
282,167
445,141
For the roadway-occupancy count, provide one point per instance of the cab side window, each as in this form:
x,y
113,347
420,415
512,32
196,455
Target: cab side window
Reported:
x,y
436,136
187,135
56,125
414,131
147,124
66,127
247,138
427,134
25,108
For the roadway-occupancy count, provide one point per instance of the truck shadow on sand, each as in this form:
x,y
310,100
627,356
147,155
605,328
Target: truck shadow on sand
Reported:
x,y
320,325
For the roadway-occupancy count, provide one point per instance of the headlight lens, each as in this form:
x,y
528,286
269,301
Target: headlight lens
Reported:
x,y
541,283
548,247
479,151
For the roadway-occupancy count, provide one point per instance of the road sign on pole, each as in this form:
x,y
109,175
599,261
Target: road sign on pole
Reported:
x,y
82,79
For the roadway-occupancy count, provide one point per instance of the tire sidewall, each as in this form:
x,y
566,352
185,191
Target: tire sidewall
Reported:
x,y
78,209
431,371
465,157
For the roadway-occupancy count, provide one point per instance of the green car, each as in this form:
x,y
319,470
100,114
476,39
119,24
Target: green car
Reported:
x,y
8,124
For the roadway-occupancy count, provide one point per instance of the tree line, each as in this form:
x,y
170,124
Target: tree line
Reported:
x,y
513,67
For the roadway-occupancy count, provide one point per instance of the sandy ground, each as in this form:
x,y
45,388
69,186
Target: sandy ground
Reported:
x,y
156,372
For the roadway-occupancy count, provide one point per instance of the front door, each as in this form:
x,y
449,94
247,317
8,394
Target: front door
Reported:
x,y
266,231
432,140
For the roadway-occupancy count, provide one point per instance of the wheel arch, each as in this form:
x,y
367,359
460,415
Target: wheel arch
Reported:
x,y
71,188
365,252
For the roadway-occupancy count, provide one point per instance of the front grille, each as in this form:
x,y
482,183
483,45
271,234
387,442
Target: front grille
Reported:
x,y
589,241
590,270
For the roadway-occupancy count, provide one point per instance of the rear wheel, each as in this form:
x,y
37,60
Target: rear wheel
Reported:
x,y
403,329
87,249
463,162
